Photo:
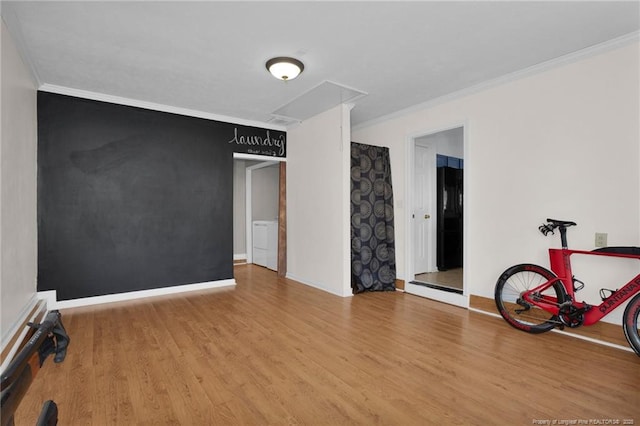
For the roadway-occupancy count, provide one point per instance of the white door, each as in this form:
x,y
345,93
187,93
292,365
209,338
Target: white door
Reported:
x,y
422,208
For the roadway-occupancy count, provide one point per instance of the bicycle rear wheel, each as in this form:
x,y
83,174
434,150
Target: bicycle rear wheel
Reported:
x,y
630,323
518,313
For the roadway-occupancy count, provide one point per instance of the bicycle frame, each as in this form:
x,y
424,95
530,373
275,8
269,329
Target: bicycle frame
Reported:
x,y
560,260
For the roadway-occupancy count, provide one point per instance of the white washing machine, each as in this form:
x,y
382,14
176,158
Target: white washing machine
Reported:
x,y
265,243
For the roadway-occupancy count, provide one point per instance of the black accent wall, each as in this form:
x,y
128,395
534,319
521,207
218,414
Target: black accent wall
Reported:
x,y
133,199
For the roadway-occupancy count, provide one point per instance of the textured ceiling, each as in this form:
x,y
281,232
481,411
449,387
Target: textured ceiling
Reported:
x,y
210,56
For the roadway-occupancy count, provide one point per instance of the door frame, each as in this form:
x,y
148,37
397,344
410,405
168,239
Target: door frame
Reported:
x,y
420,290
266,162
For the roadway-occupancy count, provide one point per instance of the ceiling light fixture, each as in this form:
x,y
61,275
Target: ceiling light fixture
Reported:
x,y
284,68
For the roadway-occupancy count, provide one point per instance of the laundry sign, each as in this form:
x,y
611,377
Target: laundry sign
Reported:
x,y
253,140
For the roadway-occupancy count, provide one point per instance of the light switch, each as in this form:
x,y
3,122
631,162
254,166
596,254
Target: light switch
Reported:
x,y
601,239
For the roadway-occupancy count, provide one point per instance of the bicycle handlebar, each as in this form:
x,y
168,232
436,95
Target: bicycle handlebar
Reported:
x,y
545,229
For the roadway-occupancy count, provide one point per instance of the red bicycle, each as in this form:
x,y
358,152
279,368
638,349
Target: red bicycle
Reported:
x,y
533,299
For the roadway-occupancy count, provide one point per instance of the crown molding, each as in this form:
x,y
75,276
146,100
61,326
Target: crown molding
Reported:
x,y
576,56
102,97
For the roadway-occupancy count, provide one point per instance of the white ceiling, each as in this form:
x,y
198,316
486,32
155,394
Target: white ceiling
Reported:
x,y
210,56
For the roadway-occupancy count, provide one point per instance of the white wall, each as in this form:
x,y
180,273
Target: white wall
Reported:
x,y
318,153
18,229
265,191
563,143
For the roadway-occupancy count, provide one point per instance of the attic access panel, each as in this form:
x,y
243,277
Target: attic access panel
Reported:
x,y
321,98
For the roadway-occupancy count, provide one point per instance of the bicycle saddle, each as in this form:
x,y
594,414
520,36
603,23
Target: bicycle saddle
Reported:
x,y
548,228
565,223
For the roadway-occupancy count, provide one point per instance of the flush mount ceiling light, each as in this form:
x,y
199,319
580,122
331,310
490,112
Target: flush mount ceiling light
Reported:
x,y
284,68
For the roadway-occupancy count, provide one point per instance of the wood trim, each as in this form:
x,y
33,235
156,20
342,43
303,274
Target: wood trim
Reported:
x,y
602,331
35,315
400,284
282,222
239,261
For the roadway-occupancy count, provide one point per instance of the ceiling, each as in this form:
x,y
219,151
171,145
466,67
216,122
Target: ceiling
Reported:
x,y
210,56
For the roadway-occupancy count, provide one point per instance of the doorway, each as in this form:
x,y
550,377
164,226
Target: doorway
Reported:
x,y
259,201
435,198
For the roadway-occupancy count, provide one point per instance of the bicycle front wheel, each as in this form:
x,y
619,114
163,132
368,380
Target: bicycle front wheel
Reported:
x,y
630,323
518,313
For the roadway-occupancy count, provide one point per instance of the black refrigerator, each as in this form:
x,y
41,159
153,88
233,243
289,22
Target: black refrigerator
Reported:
x,y
449,222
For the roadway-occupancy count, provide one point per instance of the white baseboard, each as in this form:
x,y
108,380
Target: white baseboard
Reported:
x,y
49,296
316,285
9,332
456,299
241,256
555,330
14,337
52,303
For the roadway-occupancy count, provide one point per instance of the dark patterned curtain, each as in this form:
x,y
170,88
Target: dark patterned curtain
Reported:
x,y
373,258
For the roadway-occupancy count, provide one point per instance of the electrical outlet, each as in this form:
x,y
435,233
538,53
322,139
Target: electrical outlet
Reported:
x,y
601,239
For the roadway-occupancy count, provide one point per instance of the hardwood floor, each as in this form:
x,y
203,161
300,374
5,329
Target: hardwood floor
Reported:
x,y
272,351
